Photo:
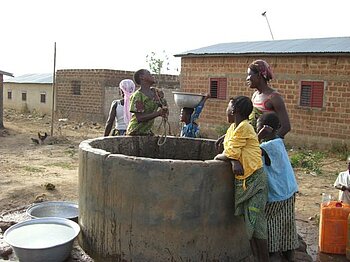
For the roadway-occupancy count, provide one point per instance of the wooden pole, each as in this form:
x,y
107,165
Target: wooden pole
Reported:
x,y
1,101
53,90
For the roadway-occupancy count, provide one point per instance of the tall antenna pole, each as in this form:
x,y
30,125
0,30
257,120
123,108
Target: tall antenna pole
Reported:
x,y
264,14
53,89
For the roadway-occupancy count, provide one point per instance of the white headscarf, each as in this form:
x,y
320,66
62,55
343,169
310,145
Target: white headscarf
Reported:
x,y
128,88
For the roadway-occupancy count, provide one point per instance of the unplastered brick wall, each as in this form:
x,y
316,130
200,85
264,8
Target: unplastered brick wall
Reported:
x,y
331,122
98,88
86,102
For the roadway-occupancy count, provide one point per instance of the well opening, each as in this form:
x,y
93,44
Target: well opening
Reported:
x,y
147,146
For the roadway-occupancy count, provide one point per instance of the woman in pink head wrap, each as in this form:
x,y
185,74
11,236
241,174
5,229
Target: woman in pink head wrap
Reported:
x,y
265,98
280,212
120,109
128,88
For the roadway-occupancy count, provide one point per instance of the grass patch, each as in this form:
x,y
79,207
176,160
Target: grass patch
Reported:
x,y
70,152
63,165
33,169
308,160
340,149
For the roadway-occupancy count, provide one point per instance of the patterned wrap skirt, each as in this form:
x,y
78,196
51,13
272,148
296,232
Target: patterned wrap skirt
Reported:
x,y
250,203
281,227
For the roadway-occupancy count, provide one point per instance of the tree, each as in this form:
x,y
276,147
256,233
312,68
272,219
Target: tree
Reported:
x,y
156,62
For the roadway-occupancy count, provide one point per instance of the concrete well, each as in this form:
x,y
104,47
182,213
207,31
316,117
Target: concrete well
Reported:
x,y
142,202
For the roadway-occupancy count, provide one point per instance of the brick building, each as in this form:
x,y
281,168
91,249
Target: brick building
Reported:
x,y
313,76
86,94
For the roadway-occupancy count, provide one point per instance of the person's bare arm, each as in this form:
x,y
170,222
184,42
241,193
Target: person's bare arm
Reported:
x,y
110,120
342,188
237,167
143,117
266,157
219,144
281,111
221,157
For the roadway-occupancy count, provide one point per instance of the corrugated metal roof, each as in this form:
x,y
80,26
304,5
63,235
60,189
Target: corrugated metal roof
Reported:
x,y
331,45
32,79
5,73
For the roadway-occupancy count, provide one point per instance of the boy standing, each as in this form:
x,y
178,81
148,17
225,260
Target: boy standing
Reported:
x,y
343,184
282,185
188,117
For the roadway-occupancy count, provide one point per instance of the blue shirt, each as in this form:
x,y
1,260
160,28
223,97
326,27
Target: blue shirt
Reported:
x,y
192,129
280,174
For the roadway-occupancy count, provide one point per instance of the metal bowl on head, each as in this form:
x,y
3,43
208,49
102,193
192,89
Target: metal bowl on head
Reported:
x,y
62,209
183,99
43,239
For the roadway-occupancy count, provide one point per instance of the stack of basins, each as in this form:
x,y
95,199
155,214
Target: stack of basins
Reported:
x,y
48,236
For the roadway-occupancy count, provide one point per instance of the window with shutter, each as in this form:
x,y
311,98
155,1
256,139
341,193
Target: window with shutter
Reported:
x,y
311,94
76,87
218,88
24,96
43,97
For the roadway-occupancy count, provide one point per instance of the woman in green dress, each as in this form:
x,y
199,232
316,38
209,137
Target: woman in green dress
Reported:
x,y
146,104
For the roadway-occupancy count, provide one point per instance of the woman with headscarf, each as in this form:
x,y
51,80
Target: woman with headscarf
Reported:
x,y
120,109
279,211
265,98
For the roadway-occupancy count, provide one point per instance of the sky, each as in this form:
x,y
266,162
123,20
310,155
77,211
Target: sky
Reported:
x,y
119,34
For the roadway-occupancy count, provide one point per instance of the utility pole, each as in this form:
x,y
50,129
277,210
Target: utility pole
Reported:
x,y
53,89
264,14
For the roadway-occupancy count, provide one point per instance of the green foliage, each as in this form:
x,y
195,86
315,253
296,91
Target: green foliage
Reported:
x,y
33,169
156,62
70,152
341,149
308,160
63,165
221,129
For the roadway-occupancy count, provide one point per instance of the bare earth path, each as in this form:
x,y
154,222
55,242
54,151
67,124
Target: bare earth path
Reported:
x,y
26,167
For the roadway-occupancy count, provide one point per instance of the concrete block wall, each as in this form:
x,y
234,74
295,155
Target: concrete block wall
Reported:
x,y
330,122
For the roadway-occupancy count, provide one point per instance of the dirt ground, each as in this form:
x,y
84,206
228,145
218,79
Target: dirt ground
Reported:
x,y
27,168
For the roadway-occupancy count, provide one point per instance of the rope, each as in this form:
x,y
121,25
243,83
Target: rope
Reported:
x,y
162,139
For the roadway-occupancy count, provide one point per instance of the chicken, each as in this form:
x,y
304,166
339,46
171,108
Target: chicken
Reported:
x,y
42,137
35,141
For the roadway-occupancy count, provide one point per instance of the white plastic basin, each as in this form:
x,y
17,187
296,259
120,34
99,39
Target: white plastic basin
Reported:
x,y
42,239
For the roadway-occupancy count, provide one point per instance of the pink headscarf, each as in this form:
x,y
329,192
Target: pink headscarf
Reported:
x,y
263,68
128,88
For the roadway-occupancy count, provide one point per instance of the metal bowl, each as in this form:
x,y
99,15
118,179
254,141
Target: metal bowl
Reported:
x,y
62,209
190,100
43,239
